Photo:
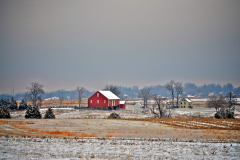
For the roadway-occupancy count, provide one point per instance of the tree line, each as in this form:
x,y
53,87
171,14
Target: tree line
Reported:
x,y
133,92
174,89
224,104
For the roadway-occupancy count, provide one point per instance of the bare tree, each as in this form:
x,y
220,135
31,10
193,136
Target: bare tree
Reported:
x,y
145,95
34,93
231,98
179,90
217,102
174,87
113,89
159,101
170,88
80,91
61,98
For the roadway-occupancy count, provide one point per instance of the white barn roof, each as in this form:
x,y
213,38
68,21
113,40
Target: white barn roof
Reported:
x,y
109,95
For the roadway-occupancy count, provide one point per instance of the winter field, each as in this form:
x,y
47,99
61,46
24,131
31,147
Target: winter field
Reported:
x,y
92,148
71,113
88,134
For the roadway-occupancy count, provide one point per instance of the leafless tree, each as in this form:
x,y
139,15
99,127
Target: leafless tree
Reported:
x,y
231,98
80,91
170,87
145,95
113,89
159,101
34,93
179,90
217,102
174,87
61,98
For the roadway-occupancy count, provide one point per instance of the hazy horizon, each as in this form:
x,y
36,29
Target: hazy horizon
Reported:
x,y
139,87
90,43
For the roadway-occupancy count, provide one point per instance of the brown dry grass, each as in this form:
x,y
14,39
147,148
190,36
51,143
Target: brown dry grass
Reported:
x,y
196,123
144,128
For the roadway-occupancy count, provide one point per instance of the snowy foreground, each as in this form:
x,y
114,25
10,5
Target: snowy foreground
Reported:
x,y
54,148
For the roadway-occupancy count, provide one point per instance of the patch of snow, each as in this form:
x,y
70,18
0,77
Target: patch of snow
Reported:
x,y
53,148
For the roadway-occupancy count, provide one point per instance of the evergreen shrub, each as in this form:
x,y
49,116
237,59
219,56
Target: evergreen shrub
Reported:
x,y
114,116
49,114
33,113
4,112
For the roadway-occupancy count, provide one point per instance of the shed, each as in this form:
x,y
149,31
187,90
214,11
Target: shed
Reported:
x,y
122,105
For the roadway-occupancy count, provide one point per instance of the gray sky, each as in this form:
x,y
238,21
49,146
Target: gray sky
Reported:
x,y
91,43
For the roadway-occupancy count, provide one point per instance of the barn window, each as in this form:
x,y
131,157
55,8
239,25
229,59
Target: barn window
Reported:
x,y
104,101
91,101
97,94
97,101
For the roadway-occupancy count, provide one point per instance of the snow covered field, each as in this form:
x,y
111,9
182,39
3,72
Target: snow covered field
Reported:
x,y
200,112
94,121
71,113
91,148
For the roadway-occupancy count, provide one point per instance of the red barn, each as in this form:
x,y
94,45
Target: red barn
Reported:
x,y
103,100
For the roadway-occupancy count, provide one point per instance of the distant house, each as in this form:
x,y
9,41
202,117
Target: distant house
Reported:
x,y
184,103
122,105
104,100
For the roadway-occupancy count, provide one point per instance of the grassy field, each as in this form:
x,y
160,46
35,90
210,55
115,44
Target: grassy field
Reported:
x,y
179,129
90,135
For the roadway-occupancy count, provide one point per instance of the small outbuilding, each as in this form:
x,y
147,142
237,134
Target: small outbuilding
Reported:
x,y
122,105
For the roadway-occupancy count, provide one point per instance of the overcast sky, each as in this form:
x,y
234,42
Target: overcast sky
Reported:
x,y
91,43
